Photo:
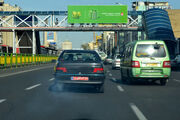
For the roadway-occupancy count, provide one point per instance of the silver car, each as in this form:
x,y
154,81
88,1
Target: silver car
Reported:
x,y
116,61
177,59
108,60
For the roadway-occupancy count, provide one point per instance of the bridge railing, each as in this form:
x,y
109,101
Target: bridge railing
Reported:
x,y
17,60
49,19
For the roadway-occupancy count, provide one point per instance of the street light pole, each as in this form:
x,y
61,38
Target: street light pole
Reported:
x,y
177,46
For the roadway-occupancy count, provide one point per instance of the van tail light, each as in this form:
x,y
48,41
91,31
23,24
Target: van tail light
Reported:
x,y
135,64
61,69
166,64
98,70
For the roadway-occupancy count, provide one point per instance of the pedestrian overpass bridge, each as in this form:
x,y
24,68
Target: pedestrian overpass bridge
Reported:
x,y
57,21
35,21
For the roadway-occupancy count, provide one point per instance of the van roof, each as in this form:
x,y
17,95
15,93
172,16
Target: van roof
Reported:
x,y
150,41
146,41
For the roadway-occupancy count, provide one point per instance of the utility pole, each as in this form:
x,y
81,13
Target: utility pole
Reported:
x,y
94,36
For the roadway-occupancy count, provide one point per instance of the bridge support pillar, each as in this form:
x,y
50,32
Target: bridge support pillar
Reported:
x,y
14,41
116,41
142,35
130,36
34,43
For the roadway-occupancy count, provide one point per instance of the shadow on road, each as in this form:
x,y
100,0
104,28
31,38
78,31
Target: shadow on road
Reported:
x,y
72,88
137,83
175,70
83,119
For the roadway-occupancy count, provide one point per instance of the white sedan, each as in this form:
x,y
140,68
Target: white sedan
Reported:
x,y
116,62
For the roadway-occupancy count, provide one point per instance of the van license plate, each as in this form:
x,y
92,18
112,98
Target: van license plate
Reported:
x,y
80,78
152,64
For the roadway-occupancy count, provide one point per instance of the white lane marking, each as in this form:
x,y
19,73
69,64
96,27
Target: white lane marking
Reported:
x,y
34,86
2,100
138,113
7,75
51,79
110,74
120,88
176,80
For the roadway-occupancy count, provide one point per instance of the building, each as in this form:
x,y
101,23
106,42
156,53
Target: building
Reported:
x,y
50,39
174,16
159,27
143,6
108,42
66,45
6,38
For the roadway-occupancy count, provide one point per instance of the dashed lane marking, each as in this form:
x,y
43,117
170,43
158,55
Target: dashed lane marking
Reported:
x,y
20,72
120,88
110,74
2,100
176,80
34,86
51,79
138,113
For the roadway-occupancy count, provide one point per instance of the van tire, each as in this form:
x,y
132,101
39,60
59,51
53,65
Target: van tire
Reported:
x,y
163,82
130,81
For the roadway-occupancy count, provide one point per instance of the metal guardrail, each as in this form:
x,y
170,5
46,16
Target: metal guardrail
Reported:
x,y
16,60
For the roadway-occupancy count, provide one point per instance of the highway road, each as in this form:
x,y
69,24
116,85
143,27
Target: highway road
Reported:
x,y
25,95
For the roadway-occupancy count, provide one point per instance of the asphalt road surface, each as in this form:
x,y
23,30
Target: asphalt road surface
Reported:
x,y
25,95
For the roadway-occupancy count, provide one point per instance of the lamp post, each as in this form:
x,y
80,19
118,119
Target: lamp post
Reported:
x,y
178,45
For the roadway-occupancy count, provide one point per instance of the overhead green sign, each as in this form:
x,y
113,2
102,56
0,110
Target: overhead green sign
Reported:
x,y
98,14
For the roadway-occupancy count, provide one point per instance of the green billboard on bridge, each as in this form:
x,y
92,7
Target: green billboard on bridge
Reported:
x,y
98,14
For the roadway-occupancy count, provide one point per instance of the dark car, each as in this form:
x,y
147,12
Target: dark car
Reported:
x,y
175,62
80,67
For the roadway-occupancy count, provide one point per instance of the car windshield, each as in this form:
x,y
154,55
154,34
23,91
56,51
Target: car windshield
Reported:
x,y
150,50
79,56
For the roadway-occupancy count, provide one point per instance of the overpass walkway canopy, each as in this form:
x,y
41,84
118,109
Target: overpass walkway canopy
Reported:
x,y
7,13
57,21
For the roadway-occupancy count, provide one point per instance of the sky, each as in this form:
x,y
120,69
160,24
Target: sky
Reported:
x,y
77,38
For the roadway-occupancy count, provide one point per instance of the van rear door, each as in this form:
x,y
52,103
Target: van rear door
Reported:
x,y
151,55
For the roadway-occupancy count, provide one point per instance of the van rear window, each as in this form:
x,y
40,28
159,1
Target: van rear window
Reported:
x,y
150,50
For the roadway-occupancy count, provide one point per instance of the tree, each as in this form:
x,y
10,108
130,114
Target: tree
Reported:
x,y
85,46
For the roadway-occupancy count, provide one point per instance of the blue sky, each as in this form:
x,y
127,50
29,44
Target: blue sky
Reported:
x,y
60,5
